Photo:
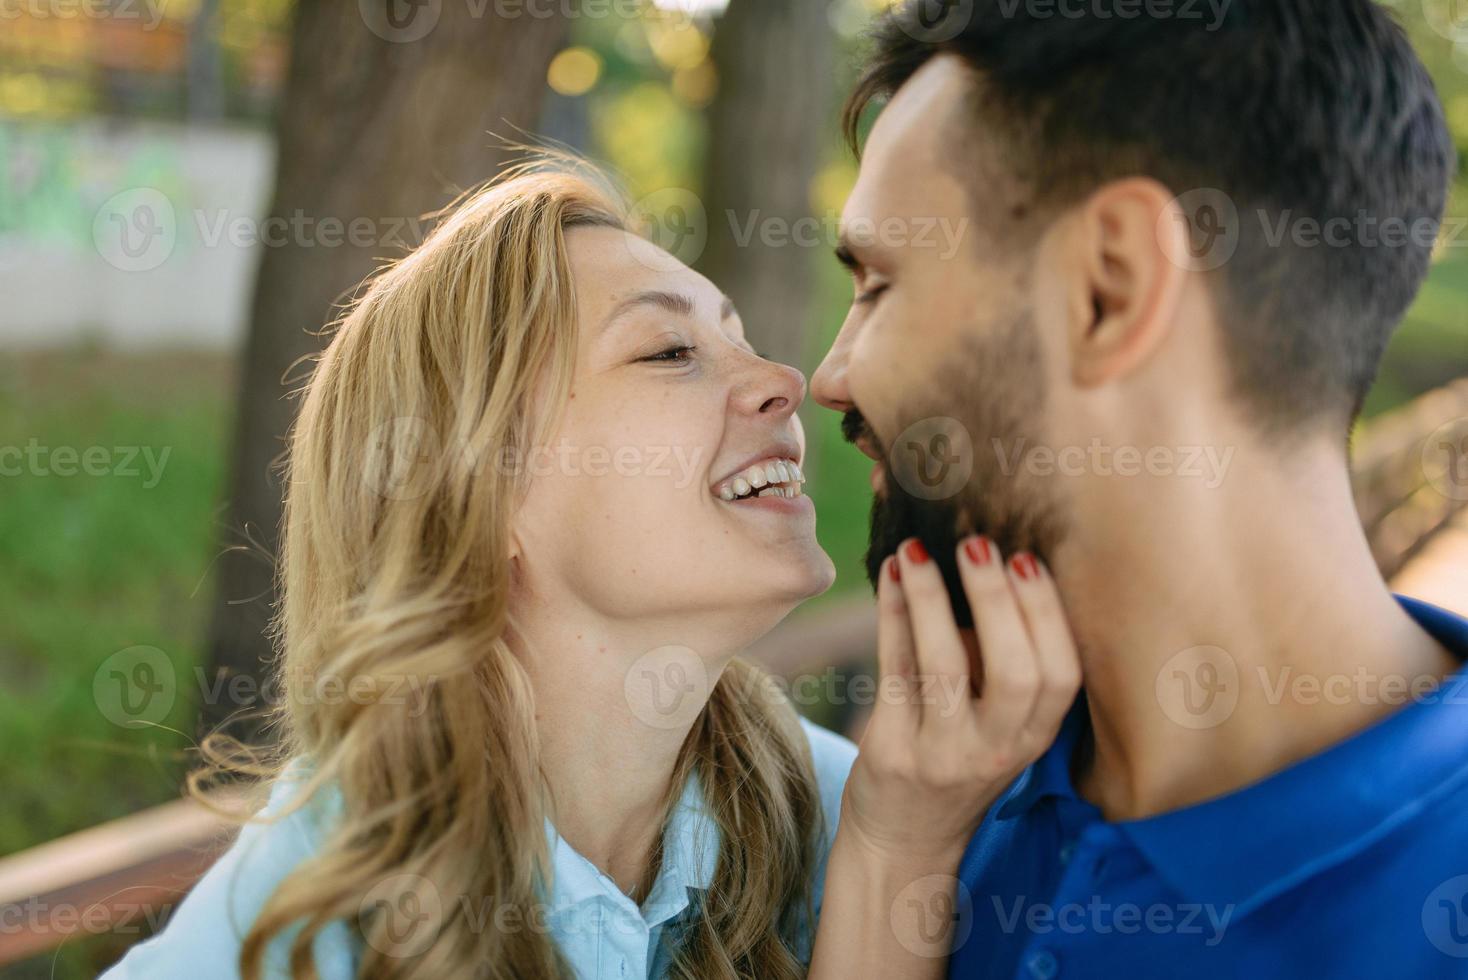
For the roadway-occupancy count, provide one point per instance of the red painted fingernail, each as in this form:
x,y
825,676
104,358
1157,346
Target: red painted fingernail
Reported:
x,y
916,553
1024,566
894,570
979,551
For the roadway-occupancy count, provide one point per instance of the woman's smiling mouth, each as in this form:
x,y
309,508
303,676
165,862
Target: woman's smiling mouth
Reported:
x,y
773,477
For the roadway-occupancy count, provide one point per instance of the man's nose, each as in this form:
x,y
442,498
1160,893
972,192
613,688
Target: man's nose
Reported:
x,y
828,384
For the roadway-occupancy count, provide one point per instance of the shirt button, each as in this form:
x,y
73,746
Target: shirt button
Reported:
x,y
1043,965
1067,851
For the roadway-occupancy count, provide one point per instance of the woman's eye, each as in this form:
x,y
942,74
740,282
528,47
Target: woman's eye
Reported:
x,y
871,294
673,355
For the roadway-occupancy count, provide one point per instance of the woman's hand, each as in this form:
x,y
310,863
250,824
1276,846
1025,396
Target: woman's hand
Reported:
x,y
935,753
958,716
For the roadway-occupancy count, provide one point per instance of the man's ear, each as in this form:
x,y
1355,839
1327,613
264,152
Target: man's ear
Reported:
x,y
1128,287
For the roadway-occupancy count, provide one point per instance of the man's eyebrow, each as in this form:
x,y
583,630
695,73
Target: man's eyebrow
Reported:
x,y
675,303
846,256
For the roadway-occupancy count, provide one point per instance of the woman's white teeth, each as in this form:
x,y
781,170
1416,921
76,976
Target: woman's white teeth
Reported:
x,y
776,478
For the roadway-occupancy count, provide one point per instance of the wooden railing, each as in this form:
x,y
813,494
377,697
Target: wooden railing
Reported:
x,y
1413,500
119,875
1411,475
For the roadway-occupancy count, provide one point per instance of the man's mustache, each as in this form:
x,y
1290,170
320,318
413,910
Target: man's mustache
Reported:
x,y
854,428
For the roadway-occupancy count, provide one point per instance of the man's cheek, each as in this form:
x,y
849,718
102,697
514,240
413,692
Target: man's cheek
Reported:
x,y
877,363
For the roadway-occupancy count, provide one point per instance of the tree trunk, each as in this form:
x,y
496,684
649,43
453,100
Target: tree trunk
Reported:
x,y
205,77
767,124
386,115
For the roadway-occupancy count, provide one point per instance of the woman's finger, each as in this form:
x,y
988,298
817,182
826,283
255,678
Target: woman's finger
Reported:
x,y
1055,649
1011,670
895,709
942,663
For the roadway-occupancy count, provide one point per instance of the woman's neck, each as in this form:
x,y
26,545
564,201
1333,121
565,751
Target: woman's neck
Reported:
x,y
613,708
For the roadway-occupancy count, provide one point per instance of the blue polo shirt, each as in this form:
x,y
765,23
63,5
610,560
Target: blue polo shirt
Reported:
x,y
1352,863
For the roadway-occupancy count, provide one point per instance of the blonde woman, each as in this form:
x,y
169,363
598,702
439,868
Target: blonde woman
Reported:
x,y
541,494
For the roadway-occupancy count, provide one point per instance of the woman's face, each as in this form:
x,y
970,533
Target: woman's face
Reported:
x,y
671,414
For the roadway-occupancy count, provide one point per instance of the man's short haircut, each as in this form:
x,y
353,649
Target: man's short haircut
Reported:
x,y
1313,120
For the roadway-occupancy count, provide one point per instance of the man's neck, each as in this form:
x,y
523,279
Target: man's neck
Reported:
x,y
1228,633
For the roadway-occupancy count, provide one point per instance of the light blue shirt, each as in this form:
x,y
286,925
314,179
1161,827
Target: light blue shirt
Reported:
x,y
601,932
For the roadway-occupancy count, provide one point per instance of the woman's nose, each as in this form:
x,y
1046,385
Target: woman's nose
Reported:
x,y
773,389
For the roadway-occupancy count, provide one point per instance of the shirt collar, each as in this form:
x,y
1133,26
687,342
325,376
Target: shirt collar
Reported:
x,y
690,856
1050,774
1304,819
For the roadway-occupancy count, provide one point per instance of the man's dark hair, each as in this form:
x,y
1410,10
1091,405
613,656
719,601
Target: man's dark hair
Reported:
x,y
1297,110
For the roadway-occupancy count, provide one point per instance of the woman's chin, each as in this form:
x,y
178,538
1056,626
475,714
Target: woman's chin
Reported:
x,y
825,577
776,596
816,576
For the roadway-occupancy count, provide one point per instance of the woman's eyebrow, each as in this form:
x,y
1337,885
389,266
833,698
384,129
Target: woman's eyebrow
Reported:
x,y
675,303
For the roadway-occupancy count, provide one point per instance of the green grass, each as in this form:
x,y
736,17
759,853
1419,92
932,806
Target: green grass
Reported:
x,y
94,564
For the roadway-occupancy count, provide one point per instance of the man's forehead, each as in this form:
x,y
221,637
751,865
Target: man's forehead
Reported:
x,y
906,163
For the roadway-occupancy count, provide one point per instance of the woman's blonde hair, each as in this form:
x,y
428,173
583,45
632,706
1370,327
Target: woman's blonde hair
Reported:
x,y
394,567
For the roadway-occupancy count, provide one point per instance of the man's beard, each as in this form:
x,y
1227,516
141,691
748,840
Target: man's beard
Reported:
x,y
995,389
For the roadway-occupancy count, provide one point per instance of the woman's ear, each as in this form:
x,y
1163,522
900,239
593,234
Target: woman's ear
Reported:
x,y
516,546
1128,282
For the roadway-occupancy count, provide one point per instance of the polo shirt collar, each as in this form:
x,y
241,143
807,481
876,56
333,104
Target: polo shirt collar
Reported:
x,y
1298,822
1050,774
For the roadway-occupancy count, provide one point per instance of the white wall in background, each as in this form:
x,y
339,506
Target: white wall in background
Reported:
x,y
130,233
